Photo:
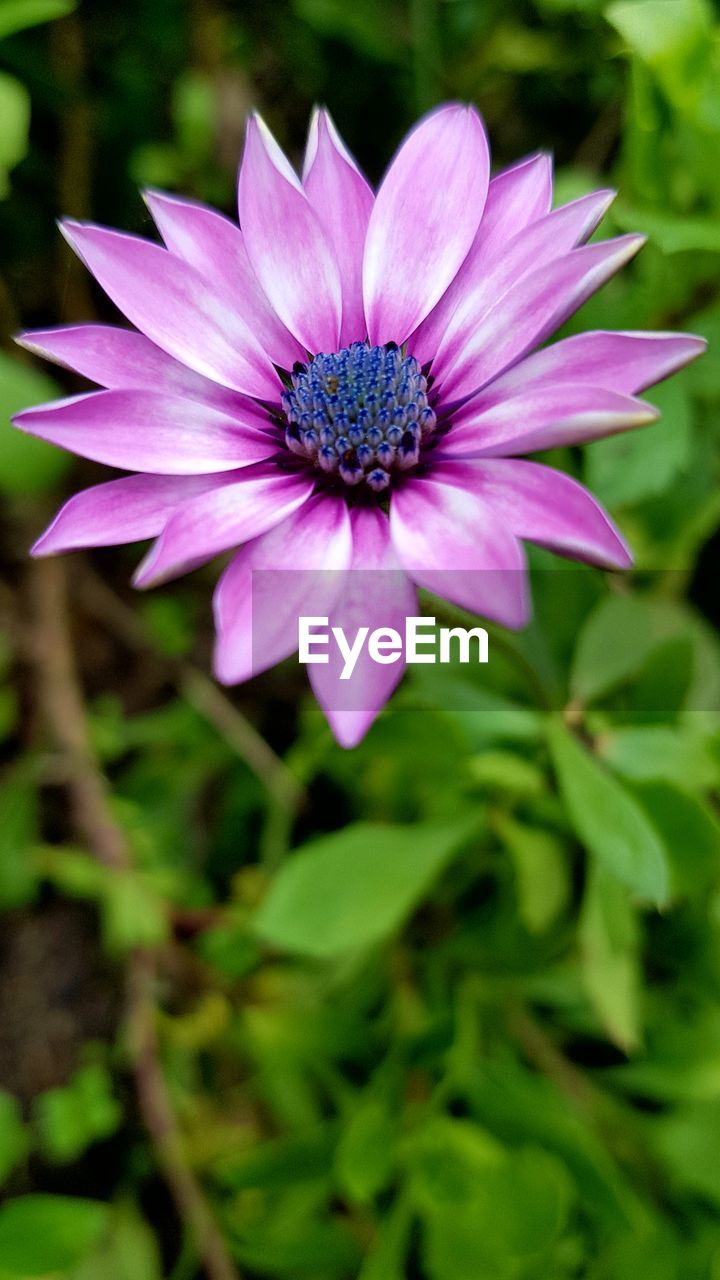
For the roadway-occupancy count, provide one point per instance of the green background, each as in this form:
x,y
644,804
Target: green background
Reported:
x,y
446,1007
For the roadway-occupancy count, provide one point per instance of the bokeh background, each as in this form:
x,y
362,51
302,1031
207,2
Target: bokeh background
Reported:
x,y
446,1007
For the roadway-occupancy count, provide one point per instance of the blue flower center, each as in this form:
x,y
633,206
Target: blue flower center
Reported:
x,y
361,413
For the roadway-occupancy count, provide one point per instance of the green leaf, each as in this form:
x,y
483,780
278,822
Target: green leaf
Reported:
x,y
677,755
353,888
44,1234
14,126
70,1118
634,465
690,831
609,956
365,1155
27,465
688,1142
17,15
541,872
132,914
127,1251
607,819
615,642
13,1135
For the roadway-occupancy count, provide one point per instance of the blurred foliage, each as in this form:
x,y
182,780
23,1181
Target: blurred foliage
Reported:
x,y
459,1016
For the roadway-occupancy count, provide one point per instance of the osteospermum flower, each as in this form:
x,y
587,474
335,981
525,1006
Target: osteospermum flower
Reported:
x,y
344,381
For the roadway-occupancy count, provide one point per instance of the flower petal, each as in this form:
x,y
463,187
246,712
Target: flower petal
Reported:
x,y
343,201
375,594
176,307
224,518
545,240
450,541
424,220
627,362
256,611
548,507
147,431
123,359
516,198
126,510
287,246
531,310
215,247
542,418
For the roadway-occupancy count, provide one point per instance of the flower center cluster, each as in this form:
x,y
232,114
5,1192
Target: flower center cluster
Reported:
x,y
361,413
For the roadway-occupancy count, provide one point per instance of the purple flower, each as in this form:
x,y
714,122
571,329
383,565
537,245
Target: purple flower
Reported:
x,y
346,382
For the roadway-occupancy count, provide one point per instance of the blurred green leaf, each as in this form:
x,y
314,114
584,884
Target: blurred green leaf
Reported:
x,y
14,1141
610,957
70,1118
27,465
541,872
128,1250
634,465
44,1234
676,755
690,831
366,1154
353,888
608,820
132,914
15,117
18,831
16,15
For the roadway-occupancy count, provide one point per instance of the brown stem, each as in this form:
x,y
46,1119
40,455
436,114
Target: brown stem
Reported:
x,y
61,702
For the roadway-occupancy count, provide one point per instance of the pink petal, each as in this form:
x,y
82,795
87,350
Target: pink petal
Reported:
x,y
541,418
287,246
215,247
126,510
224,518
544,241
515,199
176,307
424,220
531,310
627,362
292,570
343,202
147,431
375,593
547,507
451,541
123,359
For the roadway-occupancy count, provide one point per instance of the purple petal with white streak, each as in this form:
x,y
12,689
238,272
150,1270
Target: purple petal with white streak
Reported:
x,y
225,518
531,310
126,510
375,594
544,241
548,507
215,247
516,198
450,541
542,417
176,307
147,431
294,569
625,361
343,201
424,220
123,359
288,248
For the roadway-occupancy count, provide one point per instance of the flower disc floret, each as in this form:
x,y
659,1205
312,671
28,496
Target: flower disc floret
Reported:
x,y
360,414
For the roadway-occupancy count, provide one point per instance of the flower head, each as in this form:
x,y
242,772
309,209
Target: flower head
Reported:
x,y
345,381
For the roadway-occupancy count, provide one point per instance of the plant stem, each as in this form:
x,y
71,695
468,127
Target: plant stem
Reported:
x,y
61,702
